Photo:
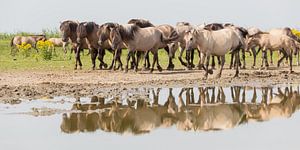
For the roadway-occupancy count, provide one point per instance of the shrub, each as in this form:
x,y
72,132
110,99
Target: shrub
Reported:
x,y
25,49
45,49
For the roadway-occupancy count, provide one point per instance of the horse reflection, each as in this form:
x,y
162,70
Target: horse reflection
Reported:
x,y
209,112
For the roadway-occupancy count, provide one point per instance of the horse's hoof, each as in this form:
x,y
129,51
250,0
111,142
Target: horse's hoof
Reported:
x,y
210,71
192,65
151,70
80,68
159,68
126,70
252,67
135,69
244,67
291,71
105,66
204,78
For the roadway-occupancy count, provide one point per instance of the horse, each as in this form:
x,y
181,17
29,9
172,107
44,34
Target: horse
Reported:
x,y
58,42
216,43
89,30
285,31
181,28
251,32
140,39
273,42
104,39
68,29
240,30
166,30
30,39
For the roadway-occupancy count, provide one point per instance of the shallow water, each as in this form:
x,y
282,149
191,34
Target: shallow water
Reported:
x,y
157,118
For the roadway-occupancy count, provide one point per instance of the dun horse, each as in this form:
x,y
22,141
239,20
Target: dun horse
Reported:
x,y
216,43
140,39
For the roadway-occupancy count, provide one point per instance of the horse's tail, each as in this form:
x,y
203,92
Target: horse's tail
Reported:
x,y
174,36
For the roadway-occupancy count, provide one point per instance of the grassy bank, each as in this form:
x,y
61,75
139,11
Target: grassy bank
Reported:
x,y
60,62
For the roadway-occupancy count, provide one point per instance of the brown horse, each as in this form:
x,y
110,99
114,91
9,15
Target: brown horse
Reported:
x,y
68,29
104,39
89,30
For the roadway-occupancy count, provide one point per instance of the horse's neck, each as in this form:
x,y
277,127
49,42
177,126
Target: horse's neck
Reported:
x,y
73,37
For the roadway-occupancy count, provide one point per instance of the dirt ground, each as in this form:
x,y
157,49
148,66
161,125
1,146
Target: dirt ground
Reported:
x,y
15,85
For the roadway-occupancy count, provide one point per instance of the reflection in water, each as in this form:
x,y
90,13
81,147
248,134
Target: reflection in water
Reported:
x,y
210,111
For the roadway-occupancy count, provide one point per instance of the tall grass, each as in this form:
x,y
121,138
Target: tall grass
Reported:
x,y
48,32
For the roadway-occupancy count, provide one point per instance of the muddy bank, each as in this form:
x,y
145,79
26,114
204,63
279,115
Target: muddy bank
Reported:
x,y
36,84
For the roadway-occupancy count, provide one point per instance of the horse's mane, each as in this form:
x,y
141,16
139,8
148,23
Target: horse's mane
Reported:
x,y
183,24
258,34
142,23
214,26
110,25
128,32
89,26
71,24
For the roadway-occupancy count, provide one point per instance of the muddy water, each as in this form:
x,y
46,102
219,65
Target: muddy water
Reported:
x,y
157,118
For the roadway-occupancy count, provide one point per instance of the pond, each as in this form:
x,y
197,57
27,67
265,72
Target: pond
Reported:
x,y
236,117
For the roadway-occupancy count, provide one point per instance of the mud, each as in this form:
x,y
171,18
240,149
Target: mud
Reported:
x,y
18,85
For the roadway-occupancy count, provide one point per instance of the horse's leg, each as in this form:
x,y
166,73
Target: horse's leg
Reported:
x,y
244,58
290,55
237,61
170,65
180,57
222,66
77,52
157,61
231,60
101,53
127,60
271,55
281,59
78,59
298,63
206,65
188,59
154,61
192,58
213,64
119,54
200,60
254,56
113,60
137,61
93,58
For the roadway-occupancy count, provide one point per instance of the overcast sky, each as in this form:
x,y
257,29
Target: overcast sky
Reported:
x,y
35,15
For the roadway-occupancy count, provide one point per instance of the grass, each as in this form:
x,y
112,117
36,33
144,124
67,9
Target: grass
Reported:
x,y
18,63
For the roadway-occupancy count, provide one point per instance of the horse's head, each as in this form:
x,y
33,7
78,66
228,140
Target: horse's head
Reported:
x,y
81,31
116,39
189,38
104,32
68,28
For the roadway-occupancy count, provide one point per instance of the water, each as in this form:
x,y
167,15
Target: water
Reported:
x,y
157,118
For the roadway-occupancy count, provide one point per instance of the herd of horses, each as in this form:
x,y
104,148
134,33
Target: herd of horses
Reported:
x,y
140,37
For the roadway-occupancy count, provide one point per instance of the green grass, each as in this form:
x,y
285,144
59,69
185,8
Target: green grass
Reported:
x,y
10,63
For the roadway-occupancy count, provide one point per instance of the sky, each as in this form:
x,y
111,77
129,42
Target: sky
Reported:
x,y
36,15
